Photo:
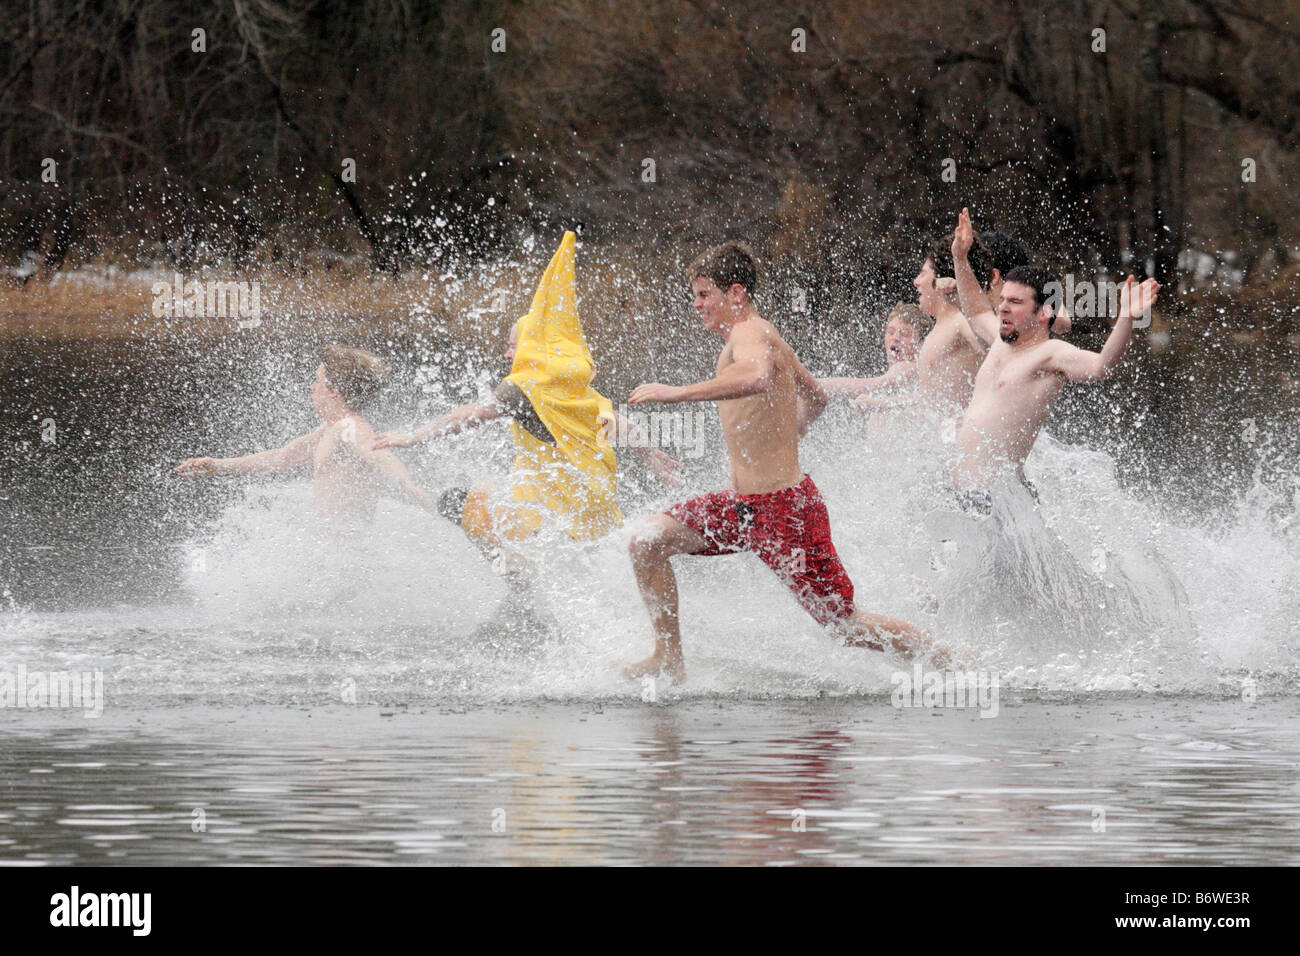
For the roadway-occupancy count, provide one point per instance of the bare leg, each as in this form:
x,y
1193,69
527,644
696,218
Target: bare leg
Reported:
x,y
517,570
864,629
654,542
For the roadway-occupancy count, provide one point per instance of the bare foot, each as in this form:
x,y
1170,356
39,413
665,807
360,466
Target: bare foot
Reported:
x,y
861,640
940,656
922,644
874,631
963,658
654,665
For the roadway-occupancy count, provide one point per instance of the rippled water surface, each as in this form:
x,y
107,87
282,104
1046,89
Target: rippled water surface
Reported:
x,y
1087,780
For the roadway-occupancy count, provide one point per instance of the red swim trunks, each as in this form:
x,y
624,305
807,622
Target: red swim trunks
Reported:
x,y
789,530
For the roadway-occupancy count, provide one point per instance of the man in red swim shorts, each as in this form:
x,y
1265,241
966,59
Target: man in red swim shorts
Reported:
x,y
766,400
789,530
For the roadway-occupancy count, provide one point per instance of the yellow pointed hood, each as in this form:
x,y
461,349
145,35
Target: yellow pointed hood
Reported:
x,y
552,349
576,477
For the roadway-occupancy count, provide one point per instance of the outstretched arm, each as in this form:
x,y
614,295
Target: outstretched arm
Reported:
x,y
872,403
666,468
899,376
974,304
293,455
850,387
457,420
1078,365
749,373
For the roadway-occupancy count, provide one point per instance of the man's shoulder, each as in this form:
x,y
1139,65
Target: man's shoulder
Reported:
x,y
901,369
1053,348
945,342
759,330
350,430
746,335
754,327
940,335
1047,353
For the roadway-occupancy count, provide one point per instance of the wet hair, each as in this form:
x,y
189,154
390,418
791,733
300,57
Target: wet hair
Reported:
x,y
911,313
726,265
355,374
1004,253
992,250
1037,279
939,251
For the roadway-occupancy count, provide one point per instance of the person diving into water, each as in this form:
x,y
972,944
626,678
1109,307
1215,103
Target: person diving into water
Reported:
x,y
766,400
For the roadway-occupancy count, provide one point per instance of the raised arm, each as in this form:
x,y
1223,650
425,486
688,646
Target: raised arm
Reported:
x,y
949,308
749,373
974,304
293,455
1078,365
1063,322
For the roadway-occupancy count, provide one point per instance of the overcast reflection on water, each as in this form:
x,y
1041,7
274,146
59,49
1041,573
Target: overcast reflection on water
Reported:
x,y
1084,781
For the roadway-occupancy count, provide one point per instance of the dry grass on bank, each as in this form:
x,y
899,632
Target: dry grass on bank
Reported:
x,y
104,301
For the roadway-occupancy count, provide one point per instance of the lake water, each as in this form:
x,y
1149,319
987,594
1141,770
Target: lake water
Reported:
x,y
1079,780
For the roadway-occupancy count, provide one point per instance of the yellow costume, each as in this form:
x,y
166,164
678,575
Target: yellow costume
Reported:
x,y
575,478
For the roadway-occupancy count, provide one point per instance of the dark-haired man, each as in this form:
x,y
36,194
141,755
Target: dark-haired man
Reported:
x,y
1005,253
766,400
951,354
1025,368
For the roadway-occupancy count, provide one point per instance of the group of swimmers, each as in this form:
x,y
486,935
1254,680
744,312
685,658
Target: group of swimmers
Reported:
x,y
989,366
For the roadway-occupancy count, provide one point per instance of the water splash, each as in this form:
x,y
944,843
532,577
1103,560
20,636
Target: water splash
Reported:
x,y
1102,588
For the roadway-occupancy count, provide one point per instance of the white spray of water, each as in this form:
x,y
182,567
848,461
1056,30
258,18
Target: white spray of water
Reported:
x,y
1095,590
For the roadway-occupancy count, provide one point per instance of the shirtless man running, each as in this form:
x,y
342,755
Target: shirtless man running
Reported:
x,y
348,473
1024,370
766,399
